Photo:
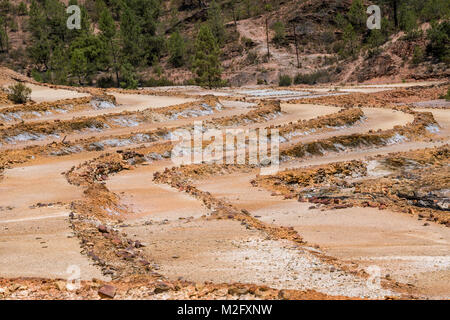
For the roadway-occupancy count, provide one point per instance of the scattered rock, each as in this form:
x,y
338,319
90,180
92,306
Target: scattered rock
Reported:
x,y
60,285
107,291
235,291
162,287
103,229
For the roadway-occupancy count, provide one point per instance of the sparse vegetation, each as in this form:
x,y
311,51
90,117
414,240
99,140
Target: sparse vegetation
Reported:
x,y
252,57
418,55
280,33
313,78
284,81
19,93
248,43
439,36
447,95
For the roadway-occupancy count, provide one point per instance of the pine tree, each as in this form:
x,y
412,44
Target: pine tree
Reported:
x,y
131,38
90,52
47,25
108,34
248,8
350,40
59,66
128,80
177,49
206,60
357,16
79,65
215,22
267,8
4,39
439,36
5,9
147,13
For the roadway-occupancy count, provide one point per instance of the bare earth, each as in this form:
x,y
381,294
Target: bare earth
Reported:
x,y
58,211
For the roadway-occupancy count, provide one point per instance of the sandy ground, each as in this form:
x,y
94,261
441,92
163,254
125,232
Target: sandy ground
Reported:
x,y
42,94
35,198
42,248
308,111
140,102
148,200
439,103
225,251
396,243
442,117
145,127
38,241
376,119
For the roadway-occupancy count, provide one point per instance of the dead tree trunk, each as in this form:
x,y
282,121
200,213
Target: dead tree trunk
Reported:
x,y
296,46
267,37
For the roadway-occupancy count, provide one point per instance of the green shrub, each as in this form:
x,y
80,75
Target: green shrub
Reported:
x,y
285,81
329,60
318,76
374,52
280,33
418,55
327,37
22,9
13,26
338,46
447,96
252,57
177,50
375,39
36,75
248,43
413,35
439,36
106,82
19,93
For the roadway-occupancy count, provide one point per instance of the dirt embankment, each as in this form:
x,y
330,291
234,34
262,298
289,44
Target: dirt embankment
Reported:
x,y
4,98
141,287
32,110
123,258
422,191
385,99
40,130
345,117
96,218
421,128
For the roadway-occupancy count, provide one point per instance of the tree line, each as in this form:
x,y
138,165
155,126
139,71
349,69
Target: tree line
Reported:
x,y
117,38
120,38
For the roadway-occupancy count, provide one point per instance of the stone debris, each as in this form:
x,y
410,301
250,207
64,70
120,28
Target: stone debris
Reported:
x,y
107,291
